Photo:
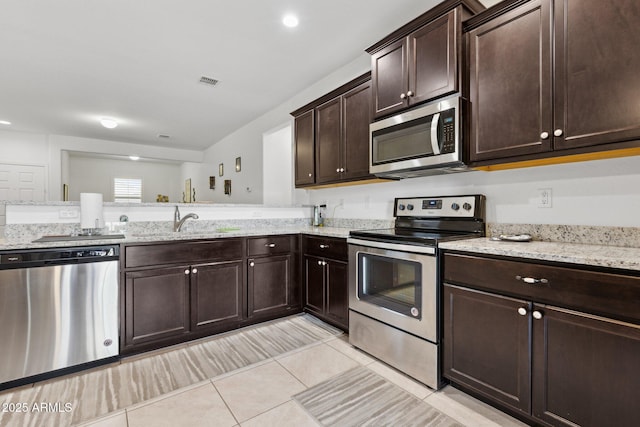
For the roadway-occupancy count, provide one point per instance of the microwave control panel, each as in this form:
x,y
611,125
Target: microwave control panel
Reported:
x,y
448,121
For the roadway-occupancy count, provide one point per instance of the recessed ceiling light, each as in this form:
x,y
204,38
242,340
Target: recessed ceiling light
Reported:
x,y
4,122
290,21
109,123
134,158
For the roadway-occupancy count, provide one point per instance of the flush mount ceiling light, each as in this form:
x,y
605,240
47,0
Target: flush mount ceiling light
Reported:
x,y
109,123
290,21
4,122
134,158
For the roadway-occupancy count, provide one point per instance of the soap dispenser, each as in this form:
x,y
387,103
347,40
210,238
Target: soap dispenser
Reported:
x,y
318,221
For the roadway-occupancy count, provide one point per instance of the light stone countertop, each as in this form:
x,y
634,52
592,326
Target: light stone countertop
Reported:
x,y
10,244
572,253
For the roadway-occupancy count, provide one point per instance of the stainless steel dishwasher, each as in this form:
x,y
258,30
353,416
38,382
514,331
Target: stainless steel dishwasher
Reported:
x,y
58,309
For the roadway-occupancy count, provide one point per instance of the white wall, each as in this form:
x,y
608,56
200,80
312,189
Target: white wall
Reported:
x,y
600,192
24,148
277,161
246,141
57,144
95,175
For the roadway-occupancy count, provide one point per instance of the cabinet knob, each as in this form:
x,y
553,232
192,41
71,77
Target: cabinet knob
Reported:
x,y
251,263
341,169
338,170
403,96
194,271
410,93
270,245
558,132
319,262
310,175
544,135
522,311
537,315
324,246
187,271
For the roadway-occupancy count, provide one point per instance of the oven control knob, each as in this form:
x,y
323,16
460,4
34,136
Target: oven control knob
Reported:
x,y
410,207
415,312
455,206
466,207
400,207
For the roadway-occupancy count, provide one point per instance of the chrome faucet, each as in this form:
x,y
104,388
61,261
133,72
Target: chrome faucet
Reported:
x,y
177,222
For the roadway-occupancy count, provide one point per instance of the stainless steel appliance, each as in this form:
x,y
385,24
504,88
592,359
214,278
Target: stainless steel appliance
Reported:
x,y
58,309
423,141
394,290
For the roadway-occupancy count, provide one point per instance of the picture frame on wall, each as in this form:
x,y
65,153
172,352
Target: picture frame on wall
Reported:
x,y
186,197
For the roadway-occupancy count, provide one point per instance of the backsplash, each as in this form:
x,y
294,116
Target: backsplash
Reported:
x,y
582,234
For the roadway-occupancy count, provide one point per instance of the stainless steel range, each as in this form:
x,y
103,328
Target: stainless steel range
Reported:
x,y
393,281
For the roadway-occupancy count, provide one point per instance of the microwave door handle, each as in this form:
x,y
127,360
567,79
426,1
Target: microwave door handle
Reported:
x,y
435,144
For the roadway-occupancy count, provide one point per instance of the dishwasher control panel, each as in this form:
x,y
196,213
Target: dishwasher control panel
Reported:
x,y
34,258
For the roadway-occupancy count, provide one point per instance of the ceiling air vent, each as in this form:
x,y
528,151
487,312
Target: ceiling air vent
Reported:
x,y
163,136
208,81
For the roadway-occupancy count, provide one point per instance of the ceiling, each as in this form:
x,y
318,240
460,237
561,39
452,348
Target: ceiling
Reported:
x,y
68,63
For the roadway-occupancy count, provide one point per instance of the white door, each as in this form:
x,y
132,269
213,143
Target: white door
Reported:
x,y
22,182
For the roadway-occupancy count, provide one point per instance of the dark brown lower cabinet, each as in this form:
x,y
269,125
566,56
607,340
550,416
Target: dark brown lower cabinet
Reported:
x,y
554,366
586,369
326,289
269,285
157,305
216,294
487,345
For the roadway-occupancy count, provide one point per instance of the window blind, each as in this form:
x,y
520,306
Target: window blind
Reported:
x,y
127,190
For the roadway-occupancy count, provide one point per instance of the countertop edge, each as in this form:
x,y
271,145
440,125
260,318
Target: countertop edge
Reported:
x,y
614,257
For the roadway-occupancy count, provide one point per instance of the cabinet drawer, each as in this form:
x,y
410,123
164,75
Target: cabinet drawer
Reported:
x,y
326,247
183,252
269,245
611,294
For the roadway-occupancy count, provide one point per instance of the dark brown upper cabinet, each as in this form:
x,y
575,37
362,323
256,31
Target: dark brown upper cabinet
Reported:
x,y
342,136
551,78
421,61
332,136
304,148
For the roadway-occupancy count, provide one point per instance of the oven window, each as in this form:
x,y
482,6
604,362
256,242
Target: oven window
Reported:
x,y
391,283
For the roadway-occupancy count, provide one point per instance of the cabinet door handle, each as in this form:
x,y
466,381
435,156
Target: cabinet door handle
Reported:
x,y
187,271
270,245
557,132
409,93
194,271
324,246
544,135
537,315
522,311
403,96
252,263
532,280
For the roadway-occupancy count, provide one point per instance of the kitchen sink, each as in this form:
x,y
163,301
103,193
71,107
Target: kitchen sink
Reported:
x,y
68,238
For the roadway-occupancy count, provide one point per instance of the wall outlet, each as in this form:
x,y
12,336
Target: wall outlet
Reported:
x,y
67,213
544,197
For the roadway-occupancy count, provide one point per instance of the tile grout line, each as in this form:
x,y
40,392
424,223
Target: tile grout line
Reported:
x,y
225,403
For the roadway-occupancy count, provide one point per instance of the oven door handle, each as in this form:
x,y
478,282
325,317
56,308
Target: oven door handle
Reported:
x,y
430,250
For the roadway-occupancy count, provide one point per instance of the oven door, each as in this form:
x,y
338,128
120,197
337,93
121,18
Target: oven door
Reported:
x,y
394,284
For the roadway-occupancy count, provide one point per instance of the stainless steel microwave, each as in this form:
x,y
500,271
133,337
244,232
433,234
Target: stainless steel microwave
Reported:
x,y
422,141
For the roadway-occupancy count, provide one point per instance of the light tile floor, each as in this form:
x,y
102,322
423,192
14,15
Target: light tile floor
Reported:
x,y
261,394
